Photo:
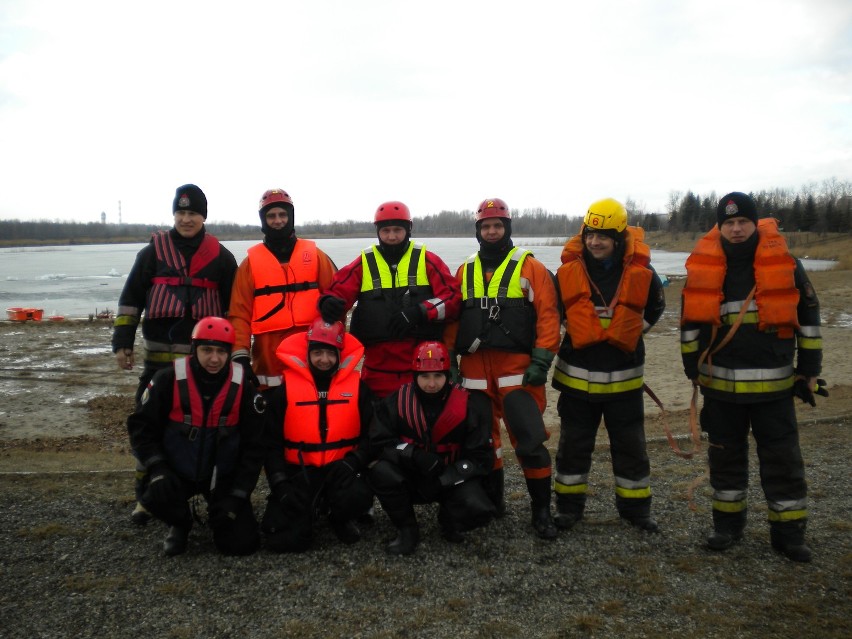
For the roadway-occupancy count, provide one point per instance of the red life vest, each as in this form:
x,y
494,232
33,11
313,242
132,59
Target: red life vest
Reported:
x,y
776,294
320,430
174,285
285,295
194,442
453,415
582,321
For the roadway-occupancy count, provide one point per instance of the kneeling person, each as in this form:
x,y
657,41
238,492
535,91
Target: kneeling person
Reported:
x,y
198,429
433,439
317,420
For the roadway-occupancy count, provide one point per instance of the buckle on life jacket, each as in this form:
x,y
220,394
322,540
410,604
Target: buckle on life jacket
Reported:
x,y
494,313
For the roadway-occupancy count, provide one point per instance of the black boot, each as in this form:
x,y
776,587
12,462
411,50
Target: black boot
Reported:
x,y
569,510
727,529
346,531
494,486
543,523
176,541
566,520
405,542
788,538
643,522
140,516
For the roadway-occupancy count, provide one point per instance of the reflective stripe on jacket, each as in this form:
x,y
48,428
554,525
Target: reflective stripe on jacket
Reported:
x,y
285,295
621,323
776,296
197,439
497,316
174,285
320,428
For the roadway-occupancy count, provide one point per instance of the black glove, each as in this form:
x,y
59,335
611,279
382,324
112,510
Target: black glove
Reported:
x,y
224,511
428,464
457,473
801,390
163,486
246,364
331,308
343,472
455,373
403,322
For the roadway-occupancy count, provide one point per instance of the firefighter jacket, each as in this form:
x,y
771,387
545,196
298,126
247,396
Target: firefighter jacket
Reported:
x,y
761,283
420,278
317,427
175,281
207,432
457,430
261,268
608,306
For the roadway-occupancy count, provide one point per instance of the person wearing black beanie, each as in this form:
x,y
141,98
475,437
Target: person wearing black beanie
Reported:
x,y
274,295
750,341
507,335
182,275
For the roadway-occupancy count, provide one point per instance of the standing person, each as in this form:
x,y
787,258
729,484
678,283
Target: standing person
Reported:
x,y
276,289
611,295
434,445
507,335
747,306
405,294
198,429
182,275
319,417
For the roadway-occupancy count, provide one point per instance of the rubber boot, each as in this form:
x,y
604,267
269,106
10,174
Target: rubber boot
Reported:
x,y
346,531
140,516
637,513
569,510
542,522
788,538
405,542
727,529
176,541
494,486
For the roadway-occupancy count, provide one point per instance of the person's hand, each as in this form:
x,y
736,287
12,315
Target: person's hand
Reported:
x,y
163,485
404,321
245,362
342,472
457,473
224,511
124,358
332,308
427,464
805,388
536,373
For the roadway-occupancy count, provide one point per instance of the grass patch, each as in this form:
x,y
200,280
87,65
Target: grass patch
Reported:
x,y
46,531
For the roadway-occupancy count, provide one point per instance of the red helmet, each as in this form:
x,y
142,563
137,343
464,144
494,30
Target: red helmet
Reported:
x,y
322,332
274,196
214,330
494,207
430,357
392,211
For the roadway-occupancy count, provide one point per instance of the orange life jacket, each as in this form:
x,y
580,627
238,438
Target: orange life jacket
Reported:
x,y
582,321
776,294
285,295
320,430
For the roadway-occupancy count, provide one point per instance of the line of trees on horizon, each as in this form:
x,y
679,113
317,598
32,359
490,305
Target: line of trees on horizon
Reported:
x,y
824,208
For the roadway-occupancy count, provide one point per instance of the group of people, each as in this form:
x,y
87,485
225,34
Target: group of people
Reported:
x,y
252,368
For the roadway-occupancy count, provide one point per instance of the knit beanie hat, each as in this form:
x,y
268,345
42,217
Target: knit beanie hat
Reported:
x,y
735,204
190,198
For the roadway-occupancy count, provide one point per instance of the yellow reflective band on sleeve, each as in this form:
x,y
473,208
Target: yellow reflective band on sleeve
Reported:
x,y
161,357
787,515
730,506
126,320
633,493
810,343
689,347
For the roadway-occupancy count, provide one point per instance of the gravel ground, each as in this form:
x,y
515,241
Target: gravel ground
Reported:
x,y
73,566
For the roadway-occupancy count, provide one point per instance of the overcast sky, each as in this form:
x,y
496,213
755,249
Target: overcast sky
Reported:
x,y
346,104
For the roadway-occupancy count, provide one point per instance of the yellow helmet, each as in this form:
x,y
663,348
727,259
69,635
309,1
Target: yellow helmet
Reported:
x,y
606,214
